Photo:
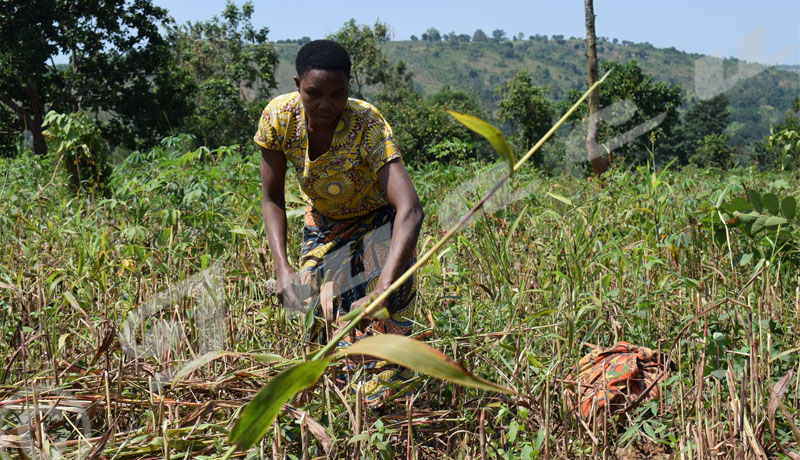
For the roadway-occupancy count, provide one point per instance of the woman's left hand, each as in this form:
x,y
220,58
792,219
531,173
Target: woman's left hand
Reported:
x,y
366,300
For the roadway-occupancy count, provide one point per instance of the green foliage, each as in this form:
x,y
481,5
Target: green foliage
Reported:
x,y
254,422
628,82
770,222
479,36
453,151
527,108
713,150
419,124
233,66
705,118
491,134
783,143
369,65
76,138
118,64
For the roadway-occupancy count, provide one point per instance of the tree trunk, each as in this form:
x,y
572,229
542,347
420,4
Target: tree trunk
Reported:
x,y
35,123
598,160
31,123
39,144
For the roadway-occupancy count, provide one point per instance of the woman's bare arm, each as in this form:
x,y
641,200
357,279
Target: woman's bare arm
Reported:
x,y
398,187
273,210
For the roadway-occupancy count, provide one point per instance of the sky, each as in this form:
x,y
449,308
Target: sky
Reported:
x,y
767,32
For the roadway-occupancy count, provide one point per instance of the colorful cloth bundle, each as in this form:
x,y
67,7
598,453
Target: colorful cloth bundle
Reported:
x,y
615,377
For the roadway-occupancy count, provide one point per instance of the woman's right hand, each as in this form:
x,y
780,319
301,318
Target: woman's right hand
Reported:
x,y
292,293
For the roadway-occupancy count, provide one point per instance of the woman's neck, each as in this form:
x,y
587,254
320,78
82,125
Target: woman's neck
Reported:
x,y
319,140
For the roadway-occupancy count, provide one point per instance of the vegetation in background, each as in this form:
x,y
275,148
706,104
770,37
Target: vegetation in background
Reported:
x,y
783,143
646,100
119,68
76,140
369,65
713,151
705,118
425,131
527,108
233,67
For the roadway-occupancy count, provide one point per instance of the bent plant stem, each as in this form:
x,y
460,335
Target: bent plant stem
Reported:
x,y
375,303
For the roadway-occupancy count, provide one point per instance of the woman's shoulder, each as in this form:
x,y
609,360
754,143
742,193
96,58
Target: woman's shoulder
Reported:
x,y
362,110
285,103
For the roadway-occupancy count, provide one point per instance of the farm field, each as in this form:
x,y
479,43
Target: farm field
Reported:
x,y
563,264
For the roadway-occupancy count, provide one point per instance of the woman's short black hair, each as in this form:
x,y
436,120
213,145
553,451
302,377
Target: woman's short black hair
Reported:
x,y
322,55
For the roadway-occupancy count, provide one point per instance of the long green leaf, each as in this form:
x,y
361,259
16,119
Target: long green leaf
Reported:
x,y
492,134
263,409
415,355
200,362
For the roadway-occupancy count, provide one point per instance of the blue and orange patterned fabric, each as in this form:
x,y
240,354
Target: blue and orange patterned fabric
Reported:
x,y
342,183
351,253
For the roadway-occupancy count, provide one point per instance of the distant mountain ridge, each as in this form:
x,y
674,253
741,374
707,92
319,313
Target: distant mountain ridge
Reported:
x,y
480,67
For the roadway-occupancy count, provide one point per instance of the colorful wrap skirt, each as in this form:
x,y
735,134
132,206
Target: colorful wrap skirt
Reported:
x,y
351,254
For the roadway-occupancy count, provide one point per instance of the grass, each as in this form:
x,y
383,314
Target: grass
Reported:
x,y
518,298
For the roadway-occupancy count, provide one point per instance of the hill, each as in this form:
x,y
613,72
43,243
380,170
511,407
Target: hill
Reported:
x,y
480,67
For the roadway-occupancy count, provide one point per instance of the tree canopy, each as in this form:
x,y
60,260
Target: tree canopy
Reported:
x,y
369,65
233,66
118,65
642,104
527,108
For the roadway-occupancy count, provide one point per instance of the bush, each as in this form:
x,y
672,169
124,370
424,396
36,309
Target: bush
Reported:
x,y
453,150
422,126
783,143
76,138
713,151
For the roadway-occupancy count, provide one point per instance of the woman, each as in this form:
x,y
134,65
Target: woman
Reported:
x,y
355,185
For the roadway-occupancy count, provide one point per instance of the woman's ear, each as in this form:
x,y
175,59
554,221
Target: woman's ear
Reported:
x,y
297,82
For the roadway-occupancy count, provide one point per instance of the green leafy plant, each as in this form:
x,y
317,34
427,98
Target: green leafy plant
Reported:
x,y
76,137
769,221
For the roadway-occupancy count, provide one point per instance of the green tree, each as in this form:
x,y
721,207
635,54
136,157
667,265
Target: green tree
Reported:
x,y
649,104
713,150
433,34
704,118
234,67
422,127
499,34
479,36
527,108
118,64
370,65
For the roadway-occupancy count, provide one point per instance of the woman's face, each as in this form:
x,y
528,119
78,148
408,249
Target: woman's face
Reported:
x,y
324,94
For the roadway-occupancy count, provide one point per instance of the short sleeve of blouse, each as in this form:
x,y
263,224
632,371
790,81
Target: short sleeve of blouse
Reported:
x,y
379,147
268,134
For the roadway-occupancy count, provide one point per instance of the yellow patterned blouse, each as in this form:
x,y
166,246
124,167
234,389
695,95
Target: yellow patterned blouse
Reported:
x,y
343,182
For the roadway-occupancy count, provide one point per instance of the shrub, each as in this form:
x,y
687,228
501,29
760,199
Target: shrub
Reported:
x,y
713,151
77,138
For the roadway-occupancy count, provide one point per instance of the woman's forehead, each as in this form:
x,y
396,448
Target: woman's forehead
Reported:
x,y
319,77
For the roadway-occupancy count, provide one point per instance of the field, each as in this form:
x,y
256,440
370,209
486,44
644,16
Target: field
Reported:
x,y
562,265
